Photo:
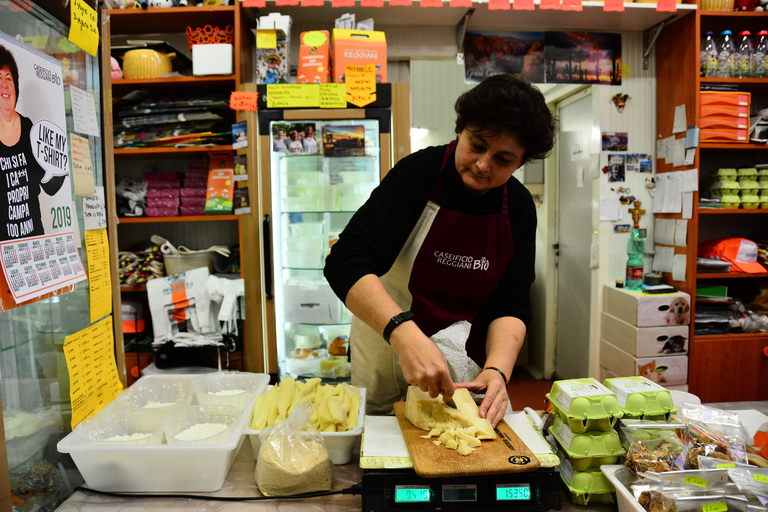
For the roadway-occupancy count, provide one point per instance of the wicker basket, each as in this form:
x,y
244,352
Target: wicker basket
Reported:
x,y
717,5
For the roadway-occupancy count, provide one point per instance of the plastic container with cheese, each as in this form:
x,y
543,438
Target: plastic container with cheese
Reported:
x,y
585,404
640,398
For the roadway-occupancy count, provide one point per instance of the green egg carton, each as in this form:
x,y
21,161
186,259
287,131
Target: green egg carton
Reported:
x,y
726,174
586,444
747,172
749,187
584,463
586,486
584,404
640,398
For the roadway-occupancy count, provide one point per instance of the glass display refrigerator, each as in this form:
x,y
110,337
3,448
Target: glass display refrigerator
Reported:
x,y
317,167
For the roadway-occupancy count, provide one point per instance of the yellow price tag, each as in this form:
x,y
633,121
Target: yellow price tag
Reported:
x,y
720,506
360,84
333,96
83,26
725,465
695,480
293,95
266,38
761,478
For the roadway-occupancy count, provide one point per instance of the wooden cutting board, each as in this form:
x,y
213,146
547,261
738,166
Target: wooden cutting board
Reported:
x,y
505,454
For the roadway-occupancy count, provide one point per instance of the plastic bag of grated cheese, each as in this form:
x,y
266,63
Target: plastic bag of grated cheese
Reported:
x,y
293,458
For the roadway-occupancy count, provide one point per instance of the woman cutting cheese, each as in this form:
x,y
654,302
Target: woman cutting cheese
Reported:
x,y
447,236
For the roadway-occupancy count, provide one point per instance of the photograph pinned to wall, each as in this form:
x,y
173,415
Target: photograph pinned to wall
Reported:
x,y
308,137
583,57
614,141
295,138
622,228
493,53
343,140
639,162
240,135
616,168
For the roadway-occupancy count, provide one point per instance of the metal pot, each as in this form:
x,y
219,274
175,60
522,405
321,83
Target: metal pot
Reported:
x,y
144,63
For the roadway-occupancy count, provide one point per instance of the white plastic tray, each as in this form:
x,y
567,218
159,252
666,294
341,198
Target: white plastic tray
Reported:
x,y
157,468
625,500
339,444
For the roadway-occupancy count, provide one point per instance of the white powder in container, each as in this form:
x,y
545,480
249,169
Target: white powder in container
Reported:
x,y
227,392
137,436
200,431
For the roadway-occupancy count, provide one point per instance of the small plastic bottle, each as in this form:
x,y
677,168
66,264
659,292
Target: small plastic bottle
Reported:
x,y
708,55
743,63
760,56
726,55
635,252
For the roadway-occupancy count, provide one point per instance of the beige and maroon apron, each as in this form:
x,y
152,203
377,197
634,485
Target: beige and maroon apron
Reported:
x,y
446,272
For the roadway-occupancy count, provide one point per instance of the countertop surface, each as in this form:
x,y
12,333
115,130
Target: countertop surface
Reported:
x,y
241,483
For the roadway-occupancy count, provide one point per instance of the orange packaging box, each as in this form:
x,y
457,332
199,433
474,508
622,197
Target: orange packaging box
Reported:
x,y
314,57
220,191
357,48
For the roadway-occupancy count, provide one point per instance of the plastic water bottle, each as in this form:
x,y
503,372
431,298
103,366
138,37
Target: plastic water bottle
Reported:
x,y
726,55
635,250
708,55
743,55
760,56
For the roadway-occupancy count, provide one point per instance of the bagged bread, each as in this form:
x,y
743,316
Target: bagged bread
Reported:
x,y
293,458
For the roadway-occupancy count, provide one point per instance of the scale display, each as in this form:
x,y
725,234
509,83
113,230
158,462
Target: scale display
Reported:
x,y
459,493
412,494
513,492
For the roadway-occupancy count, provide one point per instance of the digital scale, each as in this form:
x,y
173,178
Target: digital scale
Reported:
x,y
403,489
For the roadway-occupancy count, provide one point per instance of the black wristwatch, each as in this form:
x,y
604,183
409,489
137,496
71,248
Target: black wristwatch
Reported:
x,y
394,322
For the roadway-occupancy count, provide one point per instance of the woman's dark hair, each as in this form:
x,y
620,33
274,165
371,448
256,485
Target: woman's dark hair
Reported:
x,y
7,61
509,104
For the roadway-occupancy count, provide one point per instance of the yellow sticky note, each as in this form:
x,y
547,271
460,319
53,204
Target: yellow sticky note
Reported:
x,y
93,378
266,38
333,96
625,70
84,27
360,82
82,167
293,95
99,276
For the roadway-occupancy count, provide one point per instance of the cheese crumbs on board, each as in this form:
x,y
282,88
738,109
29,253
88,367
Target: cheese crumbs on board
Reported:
x,y
459,429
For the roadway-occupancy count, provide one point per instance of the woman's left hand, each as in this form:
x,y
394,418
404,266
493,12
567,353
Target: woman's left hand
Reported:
x,y
494,404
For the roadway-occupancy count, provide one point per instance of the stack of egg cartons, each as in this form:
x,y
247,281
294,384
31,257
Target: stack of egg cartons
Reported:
x,y
762,180
749,188
583,429
725,187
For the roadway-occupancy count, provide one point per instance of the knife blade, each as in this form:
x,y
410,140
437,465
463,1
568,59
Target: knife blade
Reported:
x,y
451,403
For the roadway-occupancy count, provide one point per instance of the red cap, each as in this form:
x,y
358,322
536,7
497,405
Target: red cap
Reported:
x,y
742,253
745,33
763,33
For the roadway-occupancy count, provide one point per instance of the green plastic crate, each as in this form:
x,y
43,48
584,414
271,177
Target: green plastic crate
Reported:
x,y
589,486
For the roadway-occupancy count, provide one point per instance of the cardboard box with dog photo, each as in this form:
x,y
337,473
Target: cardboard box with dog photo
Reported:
x,y
647,310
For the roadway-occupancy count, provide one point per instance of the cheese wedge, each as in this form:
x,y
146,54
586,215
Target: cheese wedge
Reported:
x,y
429,413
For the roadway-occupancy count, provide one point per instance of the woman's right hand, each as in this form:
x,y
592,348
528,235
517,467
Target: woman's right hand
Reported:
x,y
422,362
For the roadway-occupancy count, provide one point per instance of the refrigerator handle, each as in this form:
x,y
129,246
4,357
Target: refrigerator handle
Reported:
x,y
265,233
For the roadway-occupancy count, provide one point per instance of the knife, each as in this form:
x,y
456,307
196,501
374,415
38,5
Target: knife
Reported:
x,y
451,403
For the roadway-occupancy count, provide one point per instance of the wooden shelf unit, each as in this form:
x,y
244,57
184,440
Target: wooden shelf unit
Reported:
x,y
728,367
241,229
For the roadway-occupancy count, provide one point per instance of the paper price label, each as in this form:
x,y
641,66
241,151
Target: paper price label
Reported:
x,y
694,480
761,478
720,506
725,465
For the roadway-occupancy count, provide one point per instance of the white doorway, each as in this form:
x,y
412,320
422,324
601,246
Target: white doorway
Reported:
x,y
573,244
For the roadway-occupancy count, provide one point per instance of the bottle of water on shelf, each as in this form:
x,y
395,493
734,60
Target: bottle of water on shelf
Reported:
x,y
635,252
725,55
760,56
708,55
743,55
